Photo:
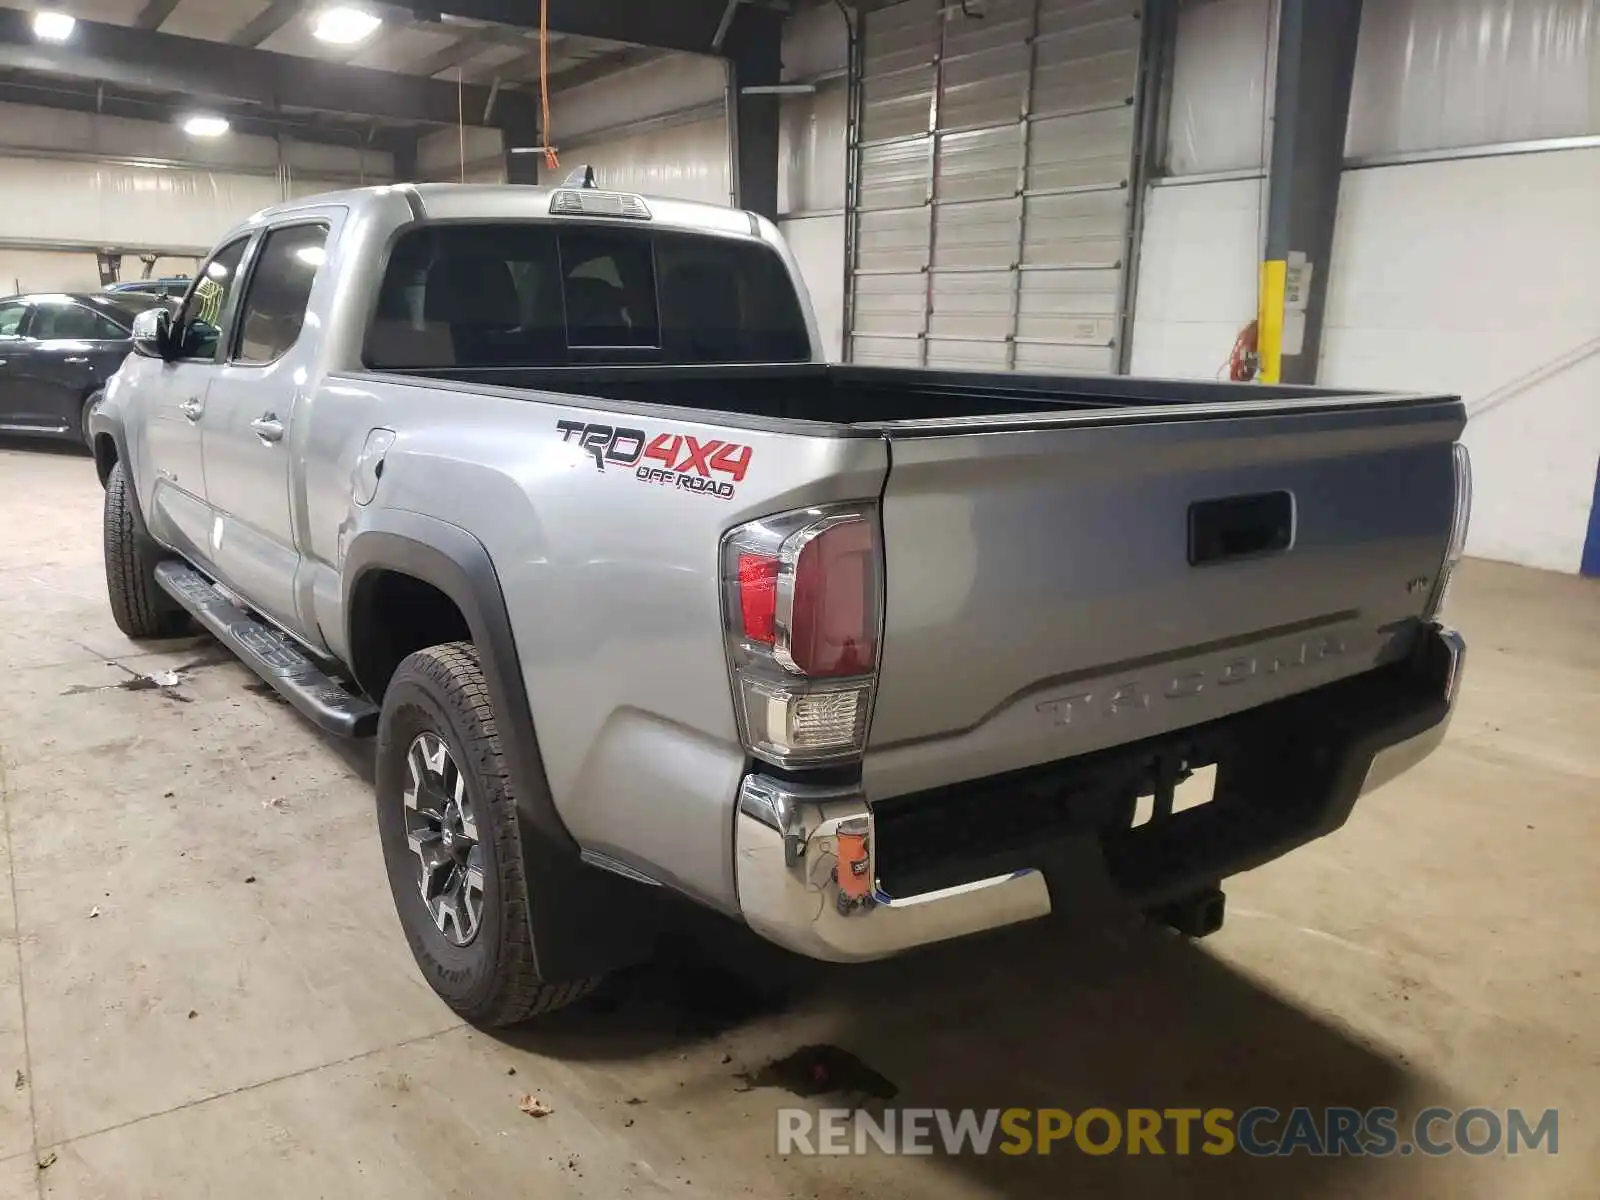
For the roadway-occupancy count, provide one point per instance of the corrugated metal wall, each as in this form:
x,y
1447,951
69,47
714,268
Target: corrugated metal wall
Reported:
x,y
672,83
994,209
812,159
689,161
660,127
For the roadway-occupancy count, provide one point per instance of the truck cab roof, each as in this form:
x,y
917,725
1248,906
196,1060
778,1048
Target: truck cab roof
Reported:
x,y
502,202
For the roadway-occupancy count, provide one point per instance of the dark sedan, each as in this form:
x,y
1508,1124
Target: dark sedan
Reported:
x,y
56,352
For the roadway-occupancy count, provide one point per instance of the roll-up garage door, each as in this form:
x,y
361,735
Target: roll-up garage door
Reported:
x,y
993,209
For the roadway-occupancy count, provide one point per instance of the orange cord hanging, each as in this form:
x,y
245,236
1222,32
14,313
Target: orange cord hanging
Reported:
x,y
550,159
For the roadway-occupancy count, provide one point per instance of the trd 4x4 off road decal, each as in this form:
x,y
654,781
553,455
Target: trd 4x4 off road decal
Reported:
x,y
672,459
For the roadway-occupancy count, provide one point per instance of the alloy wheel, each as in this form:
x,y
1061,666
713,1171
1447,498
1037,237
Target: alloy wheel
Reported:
x,y
442,831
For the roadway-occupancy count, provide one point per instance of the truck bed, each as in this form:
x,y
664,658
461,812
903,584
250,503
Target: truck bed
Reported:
x,y
852,395
1075,563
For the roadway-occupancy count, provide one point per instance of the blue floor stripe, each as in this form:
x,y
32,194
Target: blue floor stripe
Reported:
x,y
1591,543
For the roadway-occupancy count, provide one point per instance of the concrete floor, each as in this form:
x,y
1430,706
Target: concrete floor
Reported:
x,y
204,990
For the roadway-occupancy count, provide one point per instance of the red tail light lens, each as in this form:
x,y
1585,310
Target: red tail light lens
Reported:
x,y
833,627
802,600
758,596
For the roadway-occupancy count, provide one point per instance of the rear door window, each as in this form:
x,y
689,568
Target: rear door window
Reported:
x,y
279,292
56,321
539,295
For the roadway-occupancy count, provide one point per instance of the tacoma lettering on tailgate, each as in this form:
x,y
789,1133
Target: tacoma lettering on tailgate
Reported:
x,y
669,459
1137,695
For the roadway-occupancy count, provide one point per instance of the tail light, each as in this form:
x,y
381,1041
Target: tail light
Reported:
x,y
1460,519
803,599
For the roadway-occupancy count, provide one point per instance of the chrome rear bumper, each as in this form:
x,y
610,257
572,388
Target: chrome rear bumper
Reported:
x,y
805,856
1400,757
789,863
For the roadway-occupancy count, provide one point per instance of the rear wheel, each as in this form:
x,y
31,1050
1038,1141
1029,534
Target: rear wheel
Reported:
x,y
138,605
447,818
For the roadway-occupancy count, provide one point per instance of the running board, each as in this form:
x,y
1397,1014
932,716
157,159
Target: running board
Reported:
x,y
271,654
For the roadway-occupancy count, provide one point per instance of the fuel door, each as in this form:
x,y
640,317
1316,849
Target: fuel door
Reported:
x,y
369,467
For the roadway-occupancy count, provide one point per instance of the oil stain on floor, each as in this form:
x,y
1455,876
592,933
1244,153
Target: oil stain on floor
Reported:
x,y
822,1070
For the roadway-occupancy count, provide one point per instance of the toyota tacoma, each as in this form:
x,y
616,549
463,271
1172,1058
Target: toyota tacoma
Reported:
x,y
551,492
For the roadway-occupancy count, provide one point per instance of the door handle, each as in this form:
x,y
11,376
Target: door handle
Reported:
x,y
76,358
268,428
192,408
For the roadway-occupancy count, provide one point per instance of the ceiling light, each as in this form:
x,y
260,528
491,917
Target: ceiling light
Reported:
x,y
344,26
205,127
312,256
53,26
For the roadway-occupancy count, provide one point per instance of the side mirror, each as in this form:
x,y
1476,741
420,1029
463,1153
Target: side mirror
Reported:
x,y
152,333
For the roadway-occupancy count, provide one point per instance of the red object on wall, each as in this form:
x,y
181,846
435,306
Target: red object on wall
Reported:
x,y
1243,361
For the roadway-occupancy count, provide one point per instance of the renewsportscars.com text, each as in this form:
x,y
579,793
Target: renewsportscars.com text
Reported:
x,y
1260,1132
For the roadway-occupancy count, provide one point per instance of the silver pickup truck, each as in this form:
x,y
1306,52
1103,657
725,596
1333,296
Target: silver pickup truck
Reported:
x,y
550,490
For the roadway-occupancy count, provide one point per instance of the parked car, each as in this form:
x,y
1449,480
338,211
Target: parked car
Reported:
x,y
159,289
57,350
551,491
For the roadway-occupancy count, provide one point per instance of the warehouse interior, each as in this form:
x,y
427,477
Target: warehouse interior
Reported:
x,y
205,989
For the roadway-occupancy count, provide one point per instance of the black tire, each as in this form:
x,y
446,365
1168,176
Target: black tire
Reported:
x,y
138,605
492,980
88,409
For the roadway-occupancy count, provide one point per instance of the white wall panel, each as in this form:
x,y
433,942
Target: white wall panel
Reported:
x,y
47,271
76,270
110,204
1470,276
29,125
26,125
1224,64
302,186
1432,74
815,42
1198,272
165,267
811,150
668,84
688,161
440,155
70,179
812,138
818,245
357,163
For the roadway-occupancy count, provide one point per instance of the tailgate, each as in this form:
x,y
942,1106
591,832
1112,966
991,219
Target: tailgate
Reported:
x,y
1057,586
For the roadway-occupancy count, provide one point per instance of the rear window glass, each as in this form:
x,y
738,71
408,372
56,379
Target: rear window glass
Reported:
x,y
525,295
